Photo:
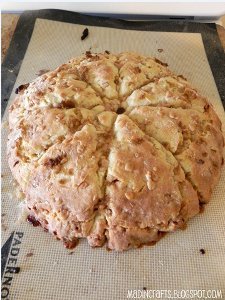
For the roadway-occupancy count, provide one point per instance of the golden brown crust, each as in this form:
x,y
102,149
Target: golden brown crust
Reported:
x,y
194,138
114,148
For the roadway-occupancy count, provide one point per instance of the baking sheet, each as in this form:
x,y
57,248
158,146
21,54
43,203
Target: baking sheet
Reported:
x,y
175,262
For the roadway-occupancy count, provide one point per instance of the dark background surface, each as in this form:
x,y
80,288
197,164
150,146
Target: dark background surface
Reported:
x,y
25,26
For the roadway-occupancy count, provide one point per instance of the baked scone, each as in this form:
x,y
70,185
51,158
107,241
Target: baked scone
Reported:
x,y
114,148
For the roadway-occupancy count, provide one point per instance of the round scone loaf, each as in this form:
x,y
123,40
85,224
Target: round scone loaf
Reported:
x,y
114,148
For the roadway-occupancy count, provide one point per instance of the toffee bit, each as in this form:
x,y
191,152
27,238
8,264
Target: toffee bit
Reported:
x,y
15,163
88,54
33,221
206,107
85,34
161,63
137,141
29,254
107,52
16,270
182,77
70,244
202,251
52,162
42,71
200,161
67,104
21,88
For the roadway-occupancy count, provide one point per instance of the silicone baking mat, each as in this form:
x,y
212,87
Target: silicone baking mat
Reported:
x,y
34,265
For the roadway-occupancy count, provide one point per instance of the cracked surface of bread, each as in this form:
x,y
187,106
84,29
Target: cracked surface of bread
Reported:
x,y
114,148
